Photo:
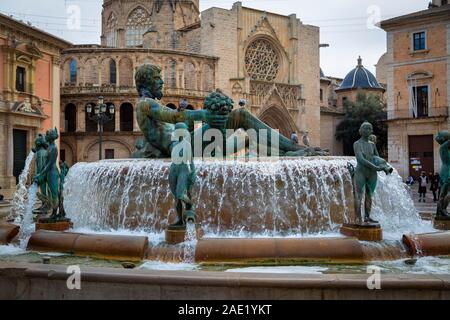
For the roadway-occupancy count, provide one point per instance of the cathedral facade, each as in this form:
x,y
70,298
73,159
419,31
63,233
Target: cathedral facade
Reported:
x,y
270,60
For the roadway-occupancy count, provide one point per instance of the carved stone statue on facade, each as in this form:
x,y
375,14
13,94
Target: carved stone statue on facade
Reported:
x,y
366,174
156,121
443,138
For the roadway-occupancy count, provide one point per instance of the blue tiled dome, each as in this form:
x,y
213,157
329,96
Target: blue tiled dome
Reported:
x,y
360,78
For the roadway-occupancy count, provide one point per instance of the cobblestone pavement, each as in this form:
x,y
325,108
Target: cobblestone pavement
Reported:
x,y
429,207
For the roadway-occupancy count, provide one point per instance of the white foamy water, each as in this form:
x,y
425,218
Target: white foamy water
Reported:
x,y
27,225
285,270
20,197
11,250
394,208
190,243
285,198
425,265
163,266
154,238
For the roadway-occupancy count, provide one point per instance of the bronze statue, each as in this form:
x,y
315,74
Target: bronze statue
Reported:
x,y
139,152
64,167
156,121
443,138
48,177
40,149
365,175
182,176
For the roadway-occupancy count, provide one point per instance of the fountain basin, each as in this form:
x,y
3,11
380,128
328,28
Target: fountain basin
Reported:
x,y
429,244
19,281
8,232
279,251
124,248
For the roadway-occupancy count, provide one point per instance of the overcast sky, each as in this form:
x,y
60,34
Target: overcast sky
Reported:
x,y
346,25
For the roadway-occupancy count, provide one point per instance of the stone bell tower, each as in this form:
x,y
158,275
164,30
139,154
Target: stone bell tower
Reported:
x,y
125,22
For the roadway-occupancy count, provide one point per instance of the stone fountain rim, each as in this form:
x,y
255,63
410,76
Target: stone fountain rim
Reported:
x,y
230,160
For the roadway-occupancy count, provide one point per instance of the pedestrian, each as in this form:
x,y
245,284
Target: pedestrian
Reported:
x,y
423,183
435,186
294,137
410,181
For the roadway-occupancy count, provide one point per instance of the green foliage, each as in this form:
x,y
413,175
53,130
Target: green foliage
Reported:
x,y
366,108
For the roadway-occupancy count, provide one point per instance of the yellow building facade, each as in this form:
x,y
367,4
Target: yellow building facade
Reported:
x,y
417,67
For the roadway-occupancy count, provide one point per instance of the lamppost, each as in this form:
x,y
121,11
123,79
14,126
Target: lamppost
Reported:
x,y
100,117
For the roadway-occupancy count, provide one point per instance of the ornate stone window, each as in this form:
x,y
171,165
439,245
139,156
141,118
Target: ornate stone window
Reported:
x,y
262,61
137,24
111,25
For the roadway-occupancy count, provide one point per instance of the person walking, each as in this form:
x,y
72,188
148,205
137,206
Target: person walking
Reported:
x,y
423,183
435,180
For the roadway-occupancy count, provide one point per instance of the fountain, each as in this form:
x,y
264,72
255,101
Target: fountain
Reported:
x,y
213,213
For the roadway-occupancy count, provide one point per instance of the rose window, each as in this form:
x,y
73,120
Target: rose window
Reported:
x,y
262,62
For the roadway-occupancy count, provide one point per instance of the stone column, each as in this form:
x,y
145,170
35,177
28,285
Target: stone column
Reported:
x,y
56,102
198,79
117,72
81,118
10,148
32,75
100,76
120,41
117,116
135,122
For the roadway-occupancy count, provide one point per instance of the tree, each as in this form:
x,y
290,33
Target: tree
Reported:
x,y
367,107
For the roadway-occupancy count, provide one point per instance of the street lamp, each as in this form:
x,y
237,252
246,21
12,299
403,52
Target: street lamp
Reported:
x,y
101,118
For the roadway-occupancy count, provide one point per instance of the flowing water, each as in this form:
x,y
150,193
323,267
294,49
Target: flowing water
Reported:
x,y
20,197
308,197
27,226
288,197
190,243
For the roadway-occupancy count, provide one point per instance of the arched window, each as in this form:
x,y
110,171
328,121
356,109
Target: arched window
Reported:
x,y
112,72
91,126
110,126
190,107
70,117
262,61
111,30
126,117
73,71
137,24
172,106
